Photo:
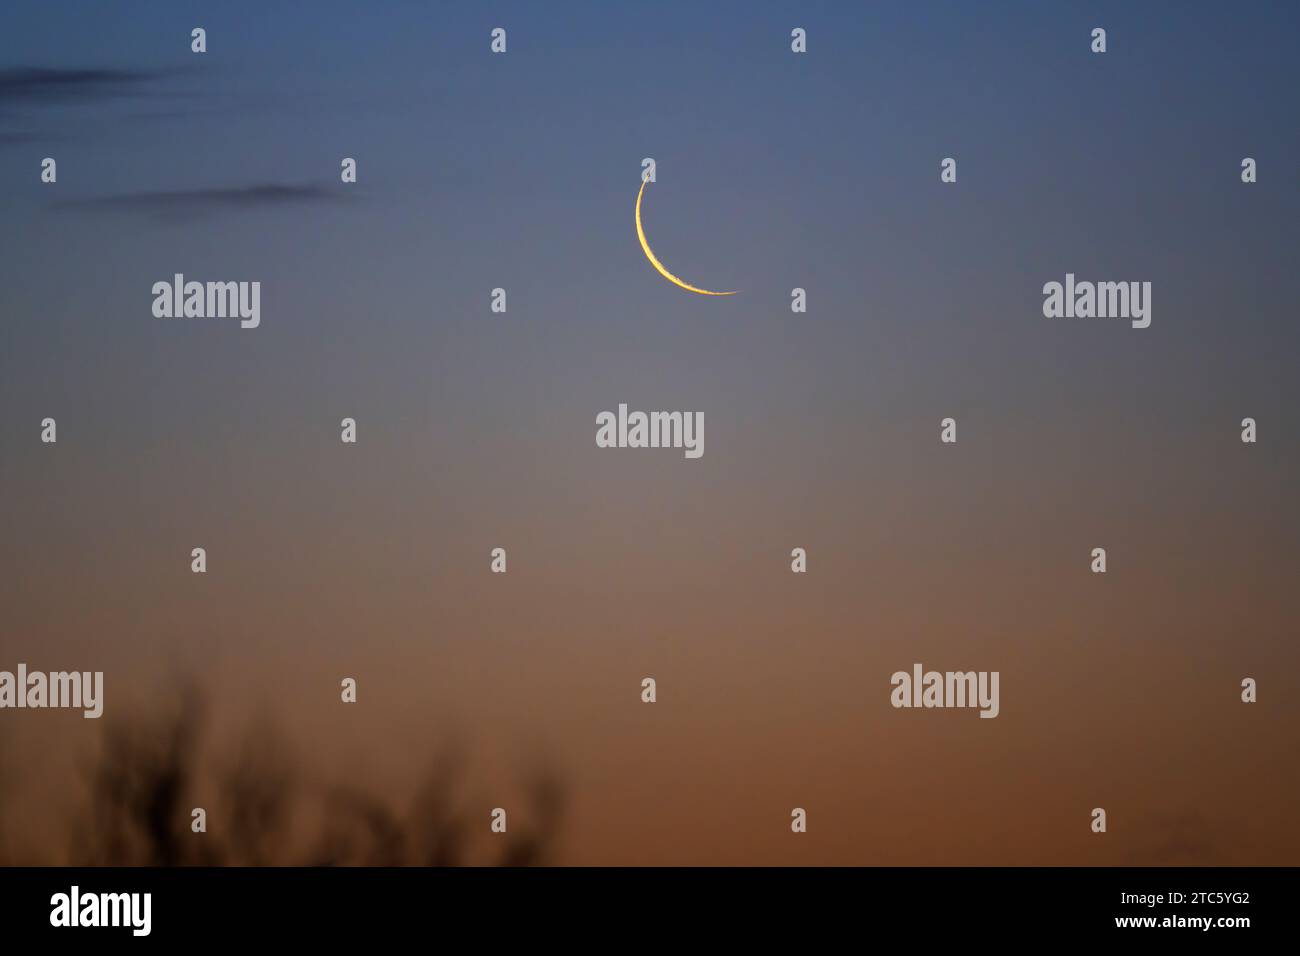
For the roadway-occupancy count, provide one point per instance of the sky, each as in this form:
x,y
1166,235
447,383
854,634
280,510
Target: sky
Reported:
x,y
476,429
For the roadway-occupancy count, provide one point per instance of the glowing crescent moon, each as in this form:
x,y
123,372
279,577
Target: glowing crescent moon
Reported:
x,y
654,261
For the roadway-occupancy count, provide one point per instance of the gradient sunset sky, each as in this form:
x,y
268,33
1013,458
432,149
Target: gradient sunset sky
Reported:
x,y
476,430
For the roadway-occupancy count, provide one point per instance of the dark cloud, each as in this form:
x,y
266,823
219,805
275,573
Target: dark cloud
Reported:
x,y
187,203
31,98
46,85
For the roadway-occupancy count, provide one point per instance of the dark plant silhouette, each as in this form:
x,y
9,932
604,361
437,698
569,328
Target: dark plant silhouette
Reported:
x,y
152,772
137,790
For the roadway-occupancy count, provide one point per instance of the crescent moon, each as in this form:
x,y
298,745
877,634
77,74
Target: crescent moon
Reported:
x,y
654,260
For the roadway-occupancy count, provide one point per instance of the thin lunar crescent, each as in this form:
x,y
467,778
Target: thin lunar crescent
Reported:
x,y
654,261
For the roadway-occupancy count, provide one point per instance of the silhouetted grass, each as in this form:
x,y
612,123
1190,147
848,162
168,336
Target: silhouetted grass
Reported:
x,y
149,775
